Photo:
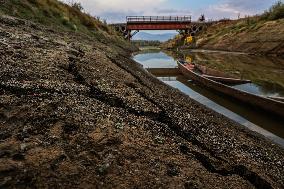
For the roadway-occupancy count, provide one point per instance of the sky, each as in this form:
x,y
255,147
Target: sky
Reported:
x,y
115,11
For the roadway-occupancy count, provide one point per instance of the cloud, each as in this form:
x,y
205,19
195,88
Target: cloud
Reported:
x,y
122,5
172,11
246,5
232,8
116,16
117,10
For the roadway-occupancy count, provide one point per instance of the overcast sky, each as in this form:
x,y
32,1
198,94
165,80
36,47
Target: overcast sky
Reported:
x,y
117,10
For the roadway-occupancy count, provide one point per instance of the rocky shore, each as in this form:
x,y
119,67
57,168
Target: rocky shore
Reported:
x,y
77,112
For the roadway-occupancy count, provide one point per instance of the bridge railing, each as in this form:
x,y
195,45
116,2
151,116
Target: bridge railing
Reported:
x,y
135,19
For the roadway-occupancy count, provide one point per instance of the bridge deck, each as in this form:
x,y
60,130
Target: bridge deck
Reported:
x,y
137,23
158,19
158,22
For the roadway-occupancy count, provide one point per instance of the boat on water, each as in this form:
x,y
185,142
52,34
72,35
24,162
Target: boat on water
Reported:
x,y
195,73
216,75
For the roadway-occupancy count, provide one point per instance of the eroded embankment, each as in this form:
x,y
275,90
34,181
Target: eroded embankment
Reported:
x,y
77,112
249,35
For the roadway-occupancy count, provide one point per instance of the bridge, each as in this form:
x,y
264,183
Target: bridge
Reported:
x,y
183,24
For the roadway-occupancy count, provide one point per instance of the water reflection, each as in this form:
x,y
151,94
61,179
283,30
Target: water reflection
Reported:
x,y
260,89
155,60
264,83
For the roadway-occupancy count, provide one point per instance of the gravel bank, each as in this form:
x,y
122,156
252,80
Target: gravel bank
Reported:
x,y
77,112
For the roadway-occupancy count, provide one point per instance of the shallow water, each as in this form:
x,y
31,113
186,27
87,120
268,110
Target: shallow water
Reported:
x,y
260,90
155,60
267,79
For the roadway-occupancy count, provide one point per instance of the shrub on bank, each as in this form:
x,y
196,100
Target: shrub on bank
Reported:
x,y
275,12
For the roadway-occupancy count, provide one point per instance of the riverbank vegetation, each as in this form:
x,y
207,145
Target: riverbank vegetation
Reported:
x,y
275,12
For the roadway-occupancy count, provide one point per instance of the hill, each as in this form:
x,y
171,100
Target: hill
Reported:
x,y
52,12
60,16
143,43
249,35
153,37
262,34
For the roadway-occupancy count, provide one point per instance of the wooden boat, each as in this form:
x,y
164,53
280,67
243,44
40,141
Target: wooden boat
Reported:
x,y
277,98
226,80
216,75
268,104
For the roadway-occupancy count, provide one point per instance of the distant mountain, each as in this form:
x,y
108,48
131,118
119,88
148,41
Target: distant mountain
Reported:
x,y
153,37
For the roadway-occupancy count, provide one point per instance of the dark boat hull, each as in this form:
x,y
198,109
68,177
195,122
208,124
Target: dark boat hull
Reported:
x,y
227,80
267,104
219,76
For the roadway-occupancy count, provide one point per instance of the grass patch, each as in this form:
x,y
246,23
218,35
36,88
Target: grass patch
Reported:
x,y
53,12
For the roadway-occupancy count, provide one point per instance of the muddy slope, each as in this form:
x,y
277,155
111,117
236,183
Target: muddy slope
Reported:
x,y
76,112
246,35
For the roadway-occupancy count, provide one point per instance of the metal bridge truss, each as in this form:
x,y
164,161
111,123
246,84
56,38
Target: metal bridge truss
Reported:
x,y
182,24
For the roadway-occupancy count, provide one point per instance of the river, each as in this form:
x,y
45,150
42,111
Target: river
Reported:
x,y
266,74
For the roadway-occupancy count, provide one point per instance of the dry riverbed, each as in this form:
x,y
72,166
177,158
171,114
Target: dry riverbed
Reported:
x,y
76,112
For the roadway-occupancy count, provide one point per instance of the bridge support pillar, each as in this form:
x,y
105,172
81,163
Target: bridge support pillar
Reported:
x,y
129,35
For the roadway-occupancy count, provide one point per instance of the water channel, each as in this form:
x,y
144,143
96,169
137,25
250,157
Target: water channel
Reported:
x,y
266,74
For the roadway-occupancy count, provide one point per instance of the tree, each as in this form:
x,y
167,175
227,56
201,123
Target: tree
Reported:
x,y
77,5
202,18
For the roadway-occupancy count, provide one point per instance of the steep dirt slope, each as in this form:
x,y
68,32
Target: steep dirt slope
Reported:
x,y
257,37
76,112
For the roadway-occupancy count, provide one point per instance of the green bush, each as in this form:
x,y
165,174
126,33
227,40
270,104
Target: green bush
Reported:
x,y
275,12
